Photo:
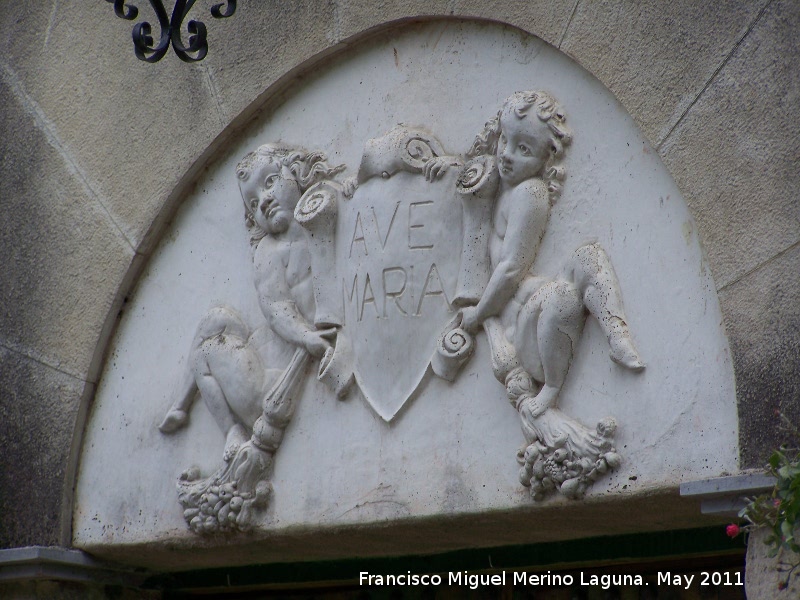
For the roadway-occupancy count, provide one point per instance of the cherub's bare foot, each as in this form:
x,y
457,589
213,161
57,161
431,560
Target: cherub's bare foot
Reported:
x,y
174,420
532,407
237,435
623,352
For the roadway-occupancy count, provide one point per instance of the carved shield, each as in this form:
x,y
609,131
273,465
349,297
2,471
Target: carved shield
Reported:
x,y
398,246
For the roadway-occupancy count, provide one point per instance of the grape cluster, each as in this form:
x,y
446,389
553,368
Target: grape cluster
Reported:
x,y
218,510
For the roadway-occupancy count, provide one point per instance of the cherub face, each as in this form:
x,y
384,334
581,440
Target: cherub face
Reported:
x,y
523,147
270,195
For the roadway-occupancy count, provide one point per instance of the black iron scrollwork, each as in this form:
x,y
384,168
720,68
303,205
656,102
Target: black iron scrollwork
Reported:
x,y
144,45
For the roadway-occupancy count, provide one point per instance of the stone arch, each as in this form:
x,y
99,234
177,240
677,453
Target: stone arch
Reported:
x,y
714,64
208,181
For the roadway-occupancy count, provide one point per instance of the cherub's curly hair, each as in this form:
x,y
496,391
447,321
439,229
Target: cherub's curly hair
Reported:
x,y
550,112
307,167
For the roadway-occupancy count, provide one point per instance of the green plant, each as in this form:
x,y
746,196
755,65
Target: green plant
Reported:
x,y
779,510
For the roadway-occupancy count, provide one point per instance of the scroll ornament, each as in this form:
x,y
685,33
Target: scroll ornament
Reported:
x,y
454,347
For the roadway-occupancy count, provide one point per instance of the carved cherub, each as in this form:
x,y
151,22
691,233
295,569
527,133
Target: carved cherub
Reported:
x,y
232,367
526,142
533,323
271,181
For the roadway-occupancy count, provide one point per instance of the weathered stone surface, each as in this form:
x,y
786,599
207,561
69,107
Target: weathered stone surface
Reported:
x,y
735,153
38,413
355,17
664,510
766,576
160,117
656,56
762,315
29,23
546,20
63,257
258,46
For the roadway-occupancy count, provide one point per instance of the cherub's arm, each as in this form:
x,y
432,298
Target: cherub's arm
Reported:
x,y
349,186
274,297
527,219
437,166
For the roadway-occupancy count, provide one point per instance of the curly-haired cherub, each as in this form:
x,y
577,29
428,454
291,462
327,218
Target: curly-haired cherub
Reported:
x,y
232,367
539,319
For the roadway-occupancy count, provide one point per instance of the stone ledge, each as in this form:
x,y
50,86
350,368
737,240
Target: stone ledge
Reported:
x,y
36,563
687,549
726,495
559,521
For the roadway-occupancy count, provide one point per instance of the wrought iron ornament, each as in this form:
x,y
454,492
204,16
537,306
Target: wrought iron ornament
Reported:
x,y
143,43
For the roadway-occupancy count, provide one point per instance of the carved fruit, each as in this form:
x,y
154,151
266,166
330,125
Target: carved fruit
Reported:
x,y
263,492
243,519
613,459
210,525
222,516
571,488
525,476
531,453
551,468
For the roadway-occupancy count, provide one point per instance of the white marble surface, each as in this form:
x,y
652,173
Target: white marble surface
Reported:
x,y
452,448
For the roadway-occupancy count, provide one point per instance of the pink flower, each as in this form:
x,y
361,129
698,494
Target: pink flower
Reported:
x,y
783,585
732,530
776,502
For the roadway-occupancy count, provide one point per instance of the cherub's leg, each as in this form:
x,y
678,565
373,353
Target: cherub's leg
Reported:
x,y
237,369
558,311
178,414
526,337
523,313
217,321
228,373
504,355
214,398
230,377
594,276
